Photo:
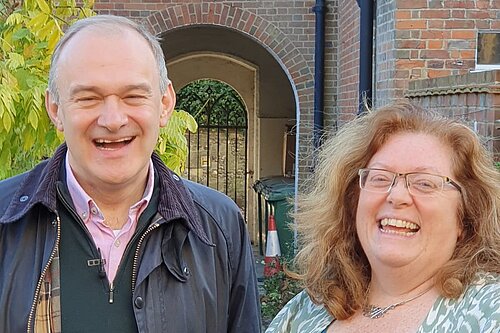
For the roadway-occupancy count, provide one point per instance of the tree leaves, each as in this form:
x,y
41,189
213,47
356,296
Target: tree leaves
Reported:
x,y
29,32
172,143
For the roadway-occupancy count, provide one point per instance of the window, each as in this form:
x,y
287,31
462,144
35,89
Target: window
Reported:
x,y
488,50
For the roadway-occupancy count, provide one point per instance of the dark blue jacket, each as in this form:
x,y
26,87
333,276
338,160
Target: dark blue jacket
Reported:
x,y
195,269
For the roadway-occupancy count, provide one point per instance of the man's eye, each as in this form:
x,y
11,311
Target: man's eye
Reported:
x,y
87,99
135,99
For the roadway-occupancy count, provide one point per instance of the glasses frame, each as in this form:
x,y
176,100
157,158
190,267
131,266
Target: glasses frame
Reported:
x,y
446,180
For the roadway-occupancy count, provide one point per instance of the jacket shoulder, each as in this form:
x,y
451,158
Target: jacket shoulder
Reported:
x,y
215,203
8,189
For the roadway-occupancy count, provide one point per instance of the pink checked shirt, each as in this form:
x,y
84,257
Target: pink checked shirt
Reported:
x,y
112,243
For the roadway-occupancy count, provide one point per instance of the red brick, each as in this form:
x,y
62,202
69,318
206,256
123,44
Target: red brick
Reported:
x,y
459,24
411,24
185,15
402,14
436,24
435,44
435,64
459,4
249,23
411,4
463,34
468,54
458,13
435,13
434,54
410,44
433,73
409,64
432,34
480,14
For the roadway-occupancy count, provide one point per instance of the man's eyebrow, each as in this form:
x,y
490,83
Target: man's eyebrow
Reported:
x,y
90,88
141,86
81,87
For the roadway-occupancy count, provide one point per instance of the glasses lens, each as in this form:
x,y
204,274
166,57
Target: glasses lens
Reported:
x,y
376,180
424,184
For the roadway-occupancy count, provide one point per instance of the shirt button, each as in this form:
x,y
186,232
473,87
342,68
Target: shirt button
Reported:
x,y
117,243
24,198
93,210
176,177
84,215
139,302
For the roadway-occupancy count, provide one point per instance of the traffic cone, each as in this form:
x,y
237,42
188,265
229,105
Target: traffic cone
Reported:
x,y
273,251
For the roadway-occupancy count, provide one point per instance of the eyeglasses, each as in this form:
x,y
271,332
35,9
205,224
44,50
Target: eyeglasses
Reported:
x,y
417,183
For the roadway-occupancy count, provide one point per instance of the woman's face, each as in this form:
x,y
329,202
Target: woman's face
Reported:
x,y
401,230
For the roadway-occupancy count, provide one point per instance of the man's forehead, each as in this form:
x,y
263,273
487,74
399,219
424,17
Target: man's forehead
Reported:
x,y
94,34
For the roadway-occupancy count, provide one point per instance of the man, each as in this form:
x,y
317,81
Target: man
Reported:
x,y
102,237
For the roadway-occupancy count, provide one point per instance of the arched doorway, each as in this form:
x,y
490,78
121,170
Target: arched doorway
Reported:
x,y
217,153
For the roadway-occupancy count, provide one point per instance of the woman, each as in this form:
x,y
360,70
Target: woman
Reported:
x,y
399,231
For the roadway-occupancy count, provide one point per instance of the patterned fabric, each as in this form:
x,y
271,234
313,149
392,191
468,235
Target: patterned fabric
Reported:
x,y
476,311
48,309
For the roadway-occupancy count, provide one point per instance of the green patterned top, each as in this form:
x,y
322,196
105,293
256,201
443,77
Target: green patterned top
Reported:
x,y
476,311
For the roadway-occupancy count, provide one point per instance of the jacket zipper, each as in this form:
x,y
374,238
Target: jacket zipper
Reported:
x,y
155,224
42,276
111,299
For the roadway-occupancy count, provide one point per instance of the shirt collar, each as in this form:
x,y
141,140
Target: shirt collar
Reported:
x,y
84,203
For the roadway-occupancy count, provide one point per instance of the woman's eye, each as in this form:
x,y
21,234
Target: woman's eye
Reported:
x,y
379,178
425,184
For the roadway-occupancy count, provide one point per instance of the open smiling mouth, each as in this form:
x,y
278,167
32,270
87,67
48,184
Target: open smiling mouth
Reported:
x,y
113,144
398,227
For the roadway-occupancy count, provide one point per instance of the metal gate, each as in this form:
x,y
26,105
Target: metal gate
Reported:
x,y
217,153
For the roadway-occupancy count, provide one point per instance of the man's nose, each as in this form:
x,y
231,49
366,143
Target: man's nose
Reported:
x,y
112,115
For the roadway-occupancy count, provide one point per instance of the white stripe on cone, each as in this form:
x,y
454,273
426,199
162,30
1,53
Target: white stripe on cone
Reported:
x,y
273,251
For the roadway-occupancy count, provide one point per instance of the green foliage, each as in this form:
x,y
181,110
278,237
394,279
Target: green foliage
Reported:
x,y
172,143
278,290
29,31
497,164
212,102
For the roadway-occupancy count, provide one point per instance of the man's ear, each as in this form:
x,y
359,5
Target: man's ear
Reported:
x,y
53,111
168,104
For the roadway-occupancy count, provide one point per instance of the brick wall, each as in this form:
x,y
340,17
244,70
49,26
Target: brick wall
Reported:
x,y
472,97
432,38
348,55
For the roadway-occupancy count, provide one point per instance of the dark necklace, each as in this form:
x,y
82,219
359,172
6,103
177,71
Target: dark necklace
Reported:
x,y
374,312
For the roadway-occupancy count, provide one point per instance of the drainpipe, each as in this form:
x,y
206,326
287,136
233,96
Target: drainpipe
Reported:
x,y
319,70
365,53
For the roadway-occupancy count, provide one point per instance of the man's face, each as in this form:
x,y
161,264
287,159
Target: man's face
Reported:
x,y
111,107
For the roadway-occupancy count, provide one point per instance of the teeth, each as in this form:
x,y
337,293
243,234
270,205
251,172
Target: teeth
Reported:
x,y
399,224
398,232
102,141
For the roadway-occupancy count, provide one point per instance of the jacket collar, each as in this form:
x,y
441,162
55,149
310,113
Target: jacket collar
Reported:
x,y
39,187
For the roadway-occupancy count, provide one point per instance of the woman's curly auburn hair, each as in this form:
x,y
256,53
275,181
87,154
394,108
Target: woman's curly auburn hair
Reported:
x,y
332,264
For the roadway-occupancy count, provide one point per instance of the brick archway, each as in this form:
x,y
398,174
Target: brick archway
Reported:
x,y
243,21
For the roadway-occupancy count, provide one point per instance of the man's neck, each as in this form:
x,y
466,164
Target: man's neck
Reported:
x,y
114,200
